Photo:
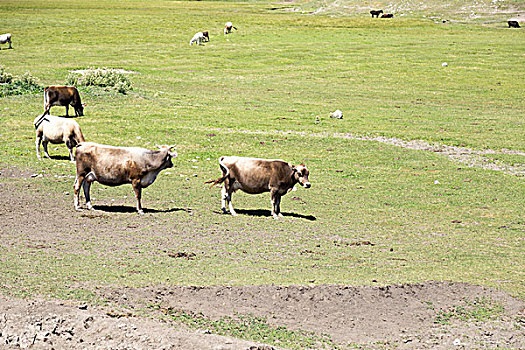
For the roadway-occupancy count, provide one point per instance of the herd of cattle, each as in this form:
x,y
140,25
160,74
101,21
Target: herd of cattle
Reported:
x,y
114,166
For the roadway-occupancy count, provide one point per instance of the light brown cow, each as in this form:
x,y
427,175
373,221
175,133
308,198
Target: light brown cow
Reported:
x,y
50,128
63,96
255,175
115,166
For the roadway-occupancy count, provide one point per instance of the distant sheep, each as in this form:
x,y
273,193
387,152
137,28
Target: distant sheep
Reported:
x,y
375,13
387,15
200,37
6,38
50,128
513,24
228,27
337,114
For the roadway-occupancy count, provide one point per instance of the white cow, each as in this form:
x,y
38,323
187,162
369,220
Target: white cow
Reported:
x,y
50,128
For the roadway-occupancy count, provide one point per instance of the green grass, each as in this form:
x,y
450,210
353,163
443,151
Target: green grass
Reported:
x,y
278,72
478,310
253,328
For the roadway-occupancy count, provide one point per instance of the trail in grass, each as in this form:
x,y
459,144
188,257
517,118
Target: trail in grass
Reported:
x,y
464,155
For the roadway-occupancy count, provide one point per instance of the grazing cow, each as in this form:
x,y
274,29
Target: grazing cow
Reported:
x,y
375,13
513,24
387,15
254,176
6,38
228,27
199,38
115,166
63,96
50,128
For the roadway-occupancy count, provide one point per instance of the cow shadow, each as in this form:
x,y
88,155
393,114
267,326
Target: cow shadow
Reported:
x,y
130,209
60,157
268,213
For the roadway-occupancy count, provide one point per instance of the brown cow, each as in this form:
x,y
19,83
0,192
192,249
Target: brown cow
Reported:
x,y
254,176
375,13
63,96
115,166
387,15
513,24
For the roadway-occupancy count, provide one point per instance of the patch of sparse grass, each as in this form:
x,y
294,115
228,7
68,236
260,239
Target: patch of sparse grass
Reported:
x,y
250,327
477,310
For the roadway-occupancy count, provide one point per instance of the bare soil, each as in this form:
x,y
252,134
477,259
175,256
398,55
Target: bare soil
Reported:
x,y
375,317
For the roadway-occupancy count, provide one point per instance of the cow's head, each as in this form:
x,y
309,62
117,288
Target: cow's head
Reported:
x,y
167,163
79,109
206,35
300,174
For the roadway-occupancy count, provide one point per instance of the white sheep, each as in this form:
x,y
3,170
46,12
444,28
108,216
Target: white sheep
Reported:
x,y
228,28
199,38
6,38
50,128
337,114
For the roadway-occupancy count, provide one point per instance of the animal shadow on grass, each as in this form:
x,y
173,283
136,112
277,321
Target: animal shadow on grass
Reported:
x,y
268,213
60,157
130,209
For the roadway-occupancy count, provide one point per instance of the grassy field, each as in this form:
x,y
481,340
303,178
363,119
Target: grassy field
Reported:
x,y
426,217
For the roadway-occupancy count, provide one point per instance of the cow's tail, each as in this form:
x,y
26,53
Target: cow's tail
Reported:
x,y
225,173
46,100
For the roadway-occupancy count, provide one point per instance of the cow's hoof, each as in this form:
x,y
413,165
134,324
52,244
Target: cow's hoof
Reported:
x,y
89,206
141,212
234,213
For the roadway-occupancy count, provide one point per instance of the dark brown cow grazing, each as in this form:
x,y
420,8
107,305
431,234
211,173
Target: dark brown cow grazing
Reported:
x,y
254,176
513,24
375,13
63,96
114,166
206,35
387,15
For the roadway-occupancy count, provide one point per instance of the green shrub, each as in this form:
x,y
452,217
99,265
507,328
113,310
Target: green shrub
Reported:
x,y
18,85
102,77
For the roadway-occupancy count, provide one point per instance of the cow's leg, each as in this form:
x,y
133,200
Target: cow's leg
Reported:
x,y
224,197
87,186
138,193
37,143
276,203
44,144
230,205
67,110
78,183
69,146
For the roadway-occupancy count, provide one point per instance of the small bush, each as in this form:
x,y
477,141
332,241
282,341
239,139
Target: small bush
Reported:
x,y
102,77
18,85
5,78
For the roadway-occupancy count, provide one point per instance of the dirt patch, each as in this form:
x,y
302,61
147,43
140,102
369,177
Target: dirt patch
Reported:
x,y
404,316
40,324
